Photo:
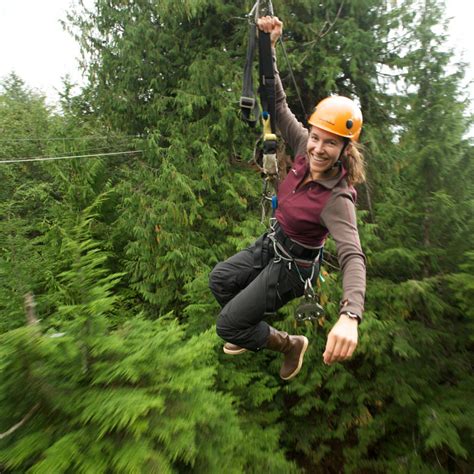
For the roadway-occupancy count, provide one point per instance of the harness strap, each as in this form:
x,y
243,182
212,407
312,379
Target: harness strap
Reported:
x,y
294,248
272,285
267,77
248,104
261,247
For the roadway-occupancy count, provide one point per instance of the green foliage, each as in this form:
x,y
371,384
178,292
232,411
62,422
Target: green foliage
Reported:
x,y
143,401
123,373
24,122
462,286
135,398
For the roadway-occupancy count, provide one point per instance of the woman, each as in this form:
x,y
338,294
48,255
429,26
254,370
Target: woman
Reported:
x,y
315,199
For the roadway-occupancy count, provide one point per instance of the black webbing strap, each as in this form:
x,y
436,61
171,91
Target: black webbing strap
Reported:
x,y
260,260
267,77
248,104
272,287
261,247
293,248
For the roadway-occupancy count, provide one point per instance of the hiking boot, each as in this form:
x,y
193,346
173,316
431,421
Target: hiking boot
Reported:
x,y
233,349
293,347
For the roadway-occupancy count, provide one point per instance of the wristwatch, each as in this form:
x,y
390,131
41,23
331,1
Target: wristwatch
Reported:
x,y
352,315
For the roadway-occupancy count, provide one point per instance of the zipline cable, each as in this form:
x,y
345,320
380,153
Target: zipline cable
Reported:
x,y
50,139
50,158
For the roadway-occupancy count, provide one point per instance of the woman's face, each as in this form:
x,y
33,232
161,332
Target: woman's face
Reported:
x,y
323,150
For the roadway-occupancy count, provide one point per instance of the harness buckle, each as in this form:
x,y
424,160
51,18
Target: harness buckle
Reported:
x,y
247,102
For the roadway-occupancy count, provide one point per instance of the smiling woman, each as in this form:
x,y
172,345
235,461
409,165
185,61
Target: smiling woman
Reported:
x,y
315,199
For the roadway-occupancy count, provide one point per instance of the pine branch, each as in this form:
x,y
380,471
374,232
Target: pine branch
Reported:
x,y
20,423
30,309
32,320
327,26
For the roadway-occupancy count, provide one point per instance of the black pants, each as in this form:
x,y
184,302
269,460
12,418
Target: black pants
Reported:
x,y
241,290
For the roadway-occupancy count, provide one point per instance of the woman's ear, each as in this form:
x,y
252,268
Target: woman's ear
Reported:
x,y
347,149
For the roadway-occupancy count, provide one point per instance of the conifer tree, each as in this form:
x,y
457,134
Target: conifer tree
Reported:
x,y
24,123
106,397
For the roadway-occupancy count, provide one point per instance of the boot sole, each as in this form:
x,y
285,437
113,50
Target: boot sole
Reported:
x,y
231,352
300,362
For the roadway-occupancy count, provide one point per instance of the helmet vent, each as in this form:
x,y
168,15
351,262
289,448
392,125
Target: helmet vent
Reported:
x,y
349,124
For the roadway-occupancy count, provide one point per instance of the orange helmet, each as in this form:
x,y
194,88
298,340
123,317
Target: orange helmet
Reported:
x,y
339,115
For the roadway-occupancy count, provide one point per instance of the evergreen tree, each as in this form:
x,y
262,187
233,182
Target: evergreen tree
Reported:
x,y
24,123
134,398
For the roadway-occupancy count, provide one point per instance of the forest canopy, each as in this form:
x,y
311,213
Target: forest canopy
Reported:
x,y
109,361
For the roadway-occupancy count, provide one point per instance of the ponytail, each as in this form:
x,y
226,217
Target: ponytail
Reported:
x,y
354,162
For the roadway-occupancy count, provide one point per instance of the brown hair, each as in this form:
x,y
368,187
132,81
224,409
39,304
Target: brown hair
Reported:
x,y
354,163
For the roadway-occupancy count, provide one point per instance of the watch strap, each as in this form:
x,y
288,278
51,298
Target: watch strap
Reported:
x,y
352,315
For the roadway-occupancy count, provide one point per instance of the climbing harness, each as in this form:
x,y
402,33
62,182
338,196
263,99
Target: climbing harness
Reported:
x,y
287,252
293,255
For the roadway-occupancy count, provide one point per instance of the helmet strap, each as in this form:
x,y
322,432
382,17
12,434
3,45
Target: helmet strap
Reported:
x,y
338,162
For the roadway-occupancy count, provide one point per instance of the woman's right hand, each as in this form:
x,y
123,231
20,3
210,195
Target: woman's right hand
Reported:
x,y
272,25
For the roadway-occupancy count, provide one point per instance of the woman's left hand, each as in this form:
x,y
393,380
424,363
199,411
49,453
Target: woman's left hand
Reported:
x,y
272,25
342,340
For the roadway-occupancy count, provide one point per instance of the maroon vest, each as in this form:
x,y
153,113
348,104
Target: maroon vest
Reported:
x,y
300,206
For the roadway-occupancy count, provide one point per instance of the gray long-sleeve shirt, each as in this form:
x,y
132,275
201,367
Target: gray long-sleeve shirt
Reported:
x,y
309,212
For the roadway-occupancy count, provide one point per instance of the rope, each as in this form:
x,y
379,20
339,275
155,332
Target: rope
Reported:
x,y
293,78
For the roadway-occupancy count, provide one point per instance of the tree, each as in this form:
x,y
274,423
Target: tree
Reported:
x,y
24,123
